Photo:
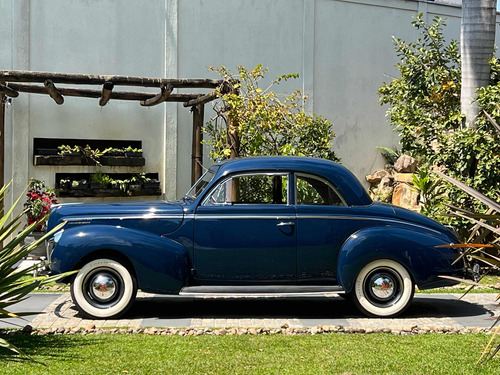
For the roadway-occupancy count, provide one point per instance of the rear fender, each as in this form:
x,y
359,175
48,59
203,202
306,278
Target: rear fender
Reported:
x,y
416,251
161,265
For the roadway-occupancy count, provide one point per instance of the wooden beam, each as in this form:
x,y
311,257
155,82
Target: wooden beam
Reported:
x,y
8,91
166,90
91,79
96,94
197,143
53,92
107,88
201,100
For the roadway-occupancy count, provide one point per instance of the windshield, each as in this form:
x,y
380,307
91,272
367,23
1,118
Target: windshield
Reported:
x,y
200,185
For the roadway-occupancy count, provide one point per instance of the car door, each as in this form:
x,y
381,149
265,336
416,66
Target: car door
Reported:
x,y
245,232
321,228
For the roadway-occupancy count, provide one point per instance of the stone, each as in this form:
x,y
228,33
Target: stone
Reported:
x,y
406,196
90,326
27,329
403,177
383,192
375,177
405,163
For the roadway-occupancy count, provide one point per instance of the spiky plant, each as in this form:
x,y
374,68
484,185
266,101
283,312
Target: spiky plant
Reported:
x,y
482,247
15,283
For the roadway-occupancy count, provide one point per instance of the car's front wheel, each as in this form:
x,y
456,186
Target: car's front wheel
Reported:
x,y
383,288
104,288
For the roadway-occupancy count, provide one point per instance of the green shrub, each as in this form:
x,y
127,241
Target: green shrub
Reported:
x,y
424,108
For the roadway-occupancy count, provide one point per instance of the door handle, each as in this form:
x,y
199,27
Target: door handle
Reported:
x,y
283,224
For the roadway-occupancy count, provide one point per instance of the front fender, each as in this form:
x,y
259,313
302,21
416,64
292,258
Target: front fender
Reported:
x,y
161,265
414,250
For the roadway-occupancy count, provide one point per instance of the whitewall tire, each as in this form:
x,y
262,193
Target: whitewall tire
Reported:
x,y
104,288
383,288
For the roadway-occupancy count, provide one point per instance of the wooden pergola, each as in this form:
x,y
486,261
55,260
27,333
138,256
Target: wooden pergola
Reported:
x,y
12,82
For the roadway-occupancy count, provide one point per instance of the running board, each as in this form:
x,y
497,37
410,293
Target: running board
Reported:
x,y
260,290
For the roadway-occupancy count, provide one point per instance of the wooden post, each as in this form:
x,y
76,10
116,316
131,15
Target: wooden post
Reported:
x,y
233,143
197,146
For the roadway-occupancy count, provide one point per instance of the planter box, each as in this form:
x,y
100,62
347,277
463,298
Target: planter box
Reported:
x,y
80,160
151,185
130,154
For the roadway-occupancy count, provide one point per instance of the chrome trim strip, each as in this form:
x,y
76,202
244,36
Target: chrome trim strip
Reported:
x,y
327,217
224,217
284,294
138,217
331,217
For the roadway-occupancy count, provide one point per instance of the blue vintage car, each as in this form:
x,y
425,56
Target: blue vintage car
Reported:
x,y
253,227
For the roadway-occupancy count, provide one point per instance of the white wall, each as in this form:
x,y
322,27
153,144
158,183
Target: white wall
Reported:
x,y
342,50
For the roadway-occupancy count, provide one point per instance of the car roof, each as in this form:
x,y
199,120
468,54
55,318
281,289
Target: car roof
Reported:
x,y
338,175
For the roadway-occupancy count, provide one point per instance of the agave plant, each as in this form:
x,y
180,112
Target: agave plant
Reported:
x,y
482,247
15,283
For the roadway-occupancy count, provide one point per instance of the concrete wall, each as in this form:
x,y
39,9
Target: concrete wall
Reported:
x,y
342,50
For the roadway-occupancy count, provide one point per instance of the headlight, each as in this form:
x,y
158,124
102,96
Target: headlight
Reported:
x,y
51,244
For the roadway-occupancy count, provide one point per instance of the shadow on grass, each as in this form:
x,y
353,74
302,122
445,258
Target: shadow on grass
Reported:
x,y
53,347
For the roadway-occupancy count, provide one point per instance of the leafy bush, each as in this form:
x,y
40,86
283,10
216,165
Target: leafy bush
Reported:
x,y
15,284
260,123
425,110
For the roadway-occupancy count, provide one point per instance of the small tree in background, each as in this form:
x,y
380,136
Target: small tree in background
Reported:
x,y
425,111
253,121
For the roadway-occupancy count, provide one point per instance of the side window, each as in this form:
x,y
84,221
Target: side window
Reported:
x,y
251,189
311,190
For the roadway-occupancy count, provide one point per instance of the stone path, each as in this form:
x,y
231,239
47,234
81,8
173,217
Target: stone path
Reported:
x,y
428,312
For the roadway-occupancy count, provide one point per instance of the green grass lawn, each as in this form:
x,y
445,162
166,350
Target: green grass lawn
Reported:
x,y
275,354
462,287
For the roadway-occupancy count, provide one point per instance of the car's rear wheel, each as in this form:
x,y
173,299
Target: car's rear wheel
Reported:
x,y
104,288
383,288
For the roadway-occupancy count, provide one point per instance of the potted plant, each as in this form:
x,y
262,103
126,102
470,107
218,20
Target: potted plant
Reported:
x,y
111,151
67,150
133,152
38,201
79,184
65,183
100,180
151,183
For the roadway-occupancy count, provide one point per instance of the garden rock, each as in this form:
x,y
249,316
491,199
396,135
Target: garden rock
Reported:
x,y
377,176
405,196
405,163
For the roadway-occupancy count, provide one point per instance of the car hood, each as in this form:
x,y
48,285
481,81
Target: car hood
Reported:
x,y
159,216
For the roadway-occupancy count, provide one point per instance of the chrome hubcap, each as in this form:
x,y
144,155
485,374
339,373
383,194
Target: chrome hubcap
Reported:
x,y
103,286
382,286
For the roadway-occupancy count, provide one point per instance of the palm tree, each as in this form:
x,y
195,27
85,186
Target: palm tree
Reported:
x,y
477,40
